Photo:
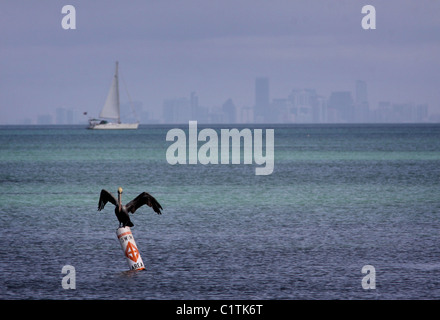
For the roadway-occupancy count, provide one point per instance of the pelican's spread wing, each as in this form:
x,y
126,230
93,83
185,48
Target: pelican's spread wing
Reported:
x,y
140,200
104,198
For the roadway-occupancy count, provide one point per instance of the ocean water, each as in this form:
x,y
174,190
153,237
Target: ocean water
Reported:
x,y
340,197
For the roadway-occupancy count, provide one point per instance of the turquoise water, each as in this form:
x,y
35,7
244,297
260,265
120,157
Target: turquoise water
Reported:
x,y
340,197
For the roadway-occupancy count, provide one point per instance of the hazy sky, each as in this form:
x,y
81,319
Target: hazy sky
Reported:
x,y
217,48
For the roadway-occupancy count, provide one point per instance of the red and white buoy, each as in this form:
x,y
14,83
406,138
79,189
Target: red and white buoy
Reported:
x,y
130,249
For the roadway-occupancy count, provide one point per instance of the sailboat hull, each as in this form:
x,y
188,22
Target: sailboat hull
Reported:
x,y
114,126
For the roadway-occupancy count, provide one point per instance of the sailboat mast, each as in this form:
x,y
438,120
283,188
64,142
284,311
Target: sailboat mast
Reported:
x,y
117,92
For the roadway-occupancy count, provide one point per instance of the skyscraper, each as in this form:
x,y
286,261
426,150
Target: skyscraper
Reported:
x,y
60,116
362,110
229,111
261,99
361,91
340,107
177,110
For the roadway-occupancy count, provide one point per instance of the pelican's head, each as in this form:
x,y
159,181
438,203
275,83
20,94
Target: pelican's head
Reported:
x,y
119,190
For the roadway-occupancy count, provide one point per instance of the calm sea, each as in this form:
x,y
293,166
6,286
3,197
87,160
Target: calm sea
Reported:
x,y
340,197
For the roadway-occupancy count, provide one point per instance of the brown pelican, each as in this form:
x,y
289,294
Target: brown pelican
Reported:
x,y
122,211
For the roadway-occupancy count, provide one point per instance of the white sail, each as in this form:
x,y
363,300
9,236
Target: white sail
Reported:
x,y
111,110
111,106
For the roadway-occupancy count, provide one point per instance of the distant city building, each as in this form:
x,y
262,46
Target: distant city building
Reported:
x,y
262,102
64,116
388,112
361,91
421,113
320,109
198,112
69,116
384,113
340,107
60,116
246,115
362,108
402,112
281,108
306,106
44,119
229,111
177,110
182,110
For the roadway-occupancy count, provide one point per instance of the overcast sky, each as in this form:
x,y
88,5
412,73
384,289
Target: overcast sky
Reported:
x,y
216,48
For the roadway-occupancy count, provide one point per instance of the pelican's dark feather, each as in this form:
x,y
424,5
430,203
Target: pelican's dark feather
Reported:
x,y
106,197
140,200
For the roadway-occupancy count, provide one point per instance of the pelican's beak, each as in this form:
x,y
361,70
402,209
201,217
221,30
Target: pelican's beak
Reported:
x,y
119,198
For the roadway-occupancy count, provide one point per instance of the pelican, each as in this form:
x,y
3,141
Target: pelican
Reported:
x,y
122,211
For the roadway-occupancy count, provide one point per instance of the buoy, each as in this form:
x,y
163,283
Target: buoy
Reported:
x,y
130,249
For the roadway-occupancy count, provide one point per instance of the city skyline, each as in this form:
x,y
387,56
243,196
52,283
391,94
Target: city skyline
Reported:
x,y
216,49
304,105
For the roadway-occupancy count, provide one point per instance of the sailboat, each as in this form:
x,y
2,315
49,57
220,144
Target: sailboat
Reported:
x,y
111,110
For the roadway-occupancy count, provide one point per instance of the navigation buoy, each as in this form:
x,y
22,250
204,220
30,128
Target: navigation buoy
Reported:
x,y
130,249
